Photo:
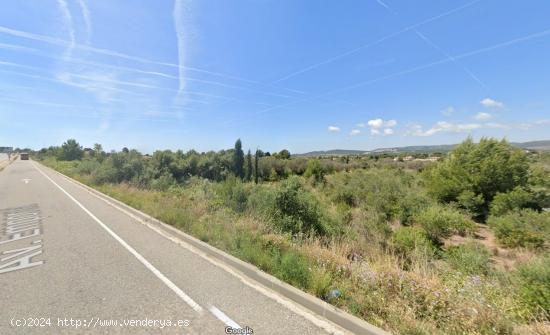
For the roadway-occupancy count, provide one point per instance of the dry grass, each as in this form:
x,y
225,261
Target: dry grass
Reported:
x,y
418,295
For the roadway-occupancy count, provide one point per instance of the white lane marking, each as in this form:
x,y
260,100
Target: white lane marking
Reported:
x,y
140,258
287,303
224,318
26,180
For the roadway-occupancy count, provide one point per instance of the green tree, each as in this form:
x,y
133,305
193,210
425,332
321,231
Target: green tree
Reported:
x,y
238,159
256,163
284,154
71,151
472,174
98,151
249,170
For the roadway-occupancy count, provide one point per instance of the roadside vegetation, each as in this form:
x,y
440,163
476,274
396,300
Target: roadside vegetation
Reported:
x,y
456,246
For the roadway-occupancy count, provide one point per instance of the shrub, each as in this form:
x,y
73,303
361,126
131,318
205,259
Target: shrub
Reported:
x,y
261,200
378,189
441,222
483,169
315,169
533,280
409,241
518,198
523,228
87,167
297,210
410,205
469,258
163,183
233,193
294,269
106,173
471,202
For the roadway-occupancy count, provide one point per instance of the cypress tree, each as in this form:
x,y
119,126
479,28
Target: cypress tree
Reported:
x,y
248,166
256,159
238,160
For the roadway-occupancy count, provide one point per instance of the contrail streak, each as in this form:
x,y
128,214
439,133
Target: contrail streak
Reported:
x,y
135,70
380,40
68,18
383,4
60,42
87,19
450,57
179,25
107,52
411,70
120,82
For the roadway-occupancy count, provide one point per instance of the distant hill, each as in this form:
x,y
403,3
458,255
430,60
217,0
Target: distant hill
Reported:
x,y
336,152
532,145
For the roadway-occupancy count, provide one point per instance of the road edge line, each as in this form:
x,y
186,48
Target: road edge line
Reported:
x,y
179,292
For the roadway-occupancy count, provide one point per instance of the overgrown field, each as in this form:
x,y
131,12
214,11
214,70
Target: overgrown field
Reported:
x,y
459,246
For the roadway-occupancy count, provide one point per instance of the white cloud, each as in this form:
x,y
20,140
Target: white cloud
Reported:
x,y
361,125
496,125
376,126
379,123
448,111
482,116
355,132
490,103
376,123
443,126
333,129
390,123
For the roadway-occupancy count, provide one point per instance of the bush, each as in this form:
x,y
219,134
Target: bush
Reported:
x,y
294,269
523,228
163,183
380,190
233,193
408,241
87,167
533,280
261,200
410,205
315,169
441,222
484,169
470,258
106,173
518,198
297,210
471,202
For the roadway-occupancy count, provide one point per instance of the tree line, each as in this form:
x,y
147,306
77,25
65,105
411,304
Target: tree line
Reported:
x,y
165,167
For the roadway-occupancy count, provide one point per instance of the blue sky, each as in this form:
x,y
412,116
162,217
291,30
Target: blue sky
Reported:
x,y
302,75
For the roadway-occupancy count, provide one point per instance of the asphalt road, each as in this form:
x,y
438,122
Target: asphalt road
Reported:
x,y
70,263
